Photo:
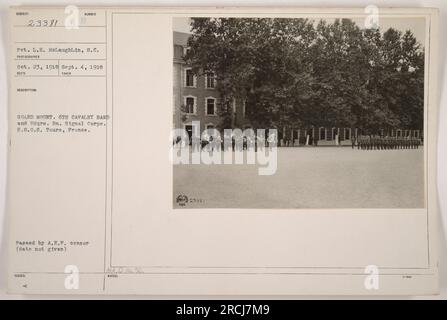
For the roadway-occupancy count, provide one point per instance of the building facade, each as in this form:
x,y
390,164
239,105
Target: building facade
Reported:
x,y
195,97
196,100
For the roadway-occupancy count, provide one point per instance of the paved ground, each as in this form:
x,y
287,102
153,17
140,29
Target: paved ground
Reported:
x,y
324,177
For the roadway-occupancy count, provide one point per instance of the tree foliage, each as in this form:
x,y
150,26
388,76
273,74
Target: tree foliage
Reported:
x,y
296,72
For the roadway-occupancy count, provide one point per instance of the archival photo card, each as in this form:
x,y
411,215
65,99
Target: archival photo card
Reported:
x,y
223,151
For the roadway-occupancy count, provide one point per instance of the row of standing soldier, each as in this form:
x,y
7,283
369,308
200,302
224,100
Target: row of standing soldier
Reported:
x,y
361,142
386,143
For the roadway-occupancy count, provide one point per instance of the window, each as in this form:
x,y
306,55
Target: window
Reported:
x,y
210,126
210,80
210,106
189,78
189,130
332,134
322,134
190,105
347,134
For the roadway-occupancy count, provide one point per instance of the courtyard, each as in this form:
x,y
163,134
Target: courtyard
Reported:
x,y
308,177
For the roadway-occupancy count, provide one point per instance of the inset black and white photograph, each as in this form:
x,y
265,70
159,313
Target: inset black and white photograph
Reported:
x,y
297,113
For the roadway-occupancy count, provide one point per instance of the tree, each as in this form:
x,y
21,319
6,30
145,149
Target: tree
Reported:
x,y
295,72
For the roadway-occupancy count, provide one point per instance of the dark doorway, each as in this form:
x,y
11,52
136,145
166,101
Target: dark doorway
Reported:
x,y
189,131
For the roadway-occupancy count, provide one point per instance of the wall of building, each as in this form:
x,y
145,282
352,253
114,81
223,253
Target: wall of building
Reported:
x,y
199,92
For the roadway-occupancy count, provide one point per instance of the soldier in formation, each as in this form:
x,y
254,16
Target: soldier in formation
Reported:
x,y
387,143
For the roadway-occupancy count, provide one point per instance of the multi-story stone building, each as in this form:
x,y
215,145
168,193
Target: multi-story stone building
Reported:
x,y
195,97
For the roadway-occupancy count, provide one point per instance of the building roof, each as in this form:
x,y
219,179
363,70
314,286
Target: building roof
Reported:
x,y
181,38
